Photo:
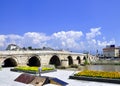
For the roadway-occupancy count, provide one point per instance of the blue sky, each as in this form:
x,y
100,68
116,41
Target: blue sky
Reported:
x,y
76,25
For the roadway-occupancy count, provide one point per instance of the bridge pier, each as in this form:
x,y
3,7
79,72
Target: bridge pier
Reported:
x,y
75,62
64,63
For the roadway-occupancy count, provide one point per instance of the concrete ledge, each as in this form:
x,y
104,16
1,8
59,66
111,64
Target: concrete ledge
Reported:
x,y
117,81
32,72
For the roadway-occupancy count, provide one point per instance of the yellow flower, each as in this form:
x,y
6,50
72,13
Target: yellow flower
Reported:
x,y
103,74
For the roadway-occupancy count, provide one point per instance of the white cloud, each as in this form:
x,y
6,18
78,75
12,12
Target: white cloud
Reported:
x,y
67,39
13,37
69,34
104,43
104,38
35,38
94,41
2,40
94,32
72,40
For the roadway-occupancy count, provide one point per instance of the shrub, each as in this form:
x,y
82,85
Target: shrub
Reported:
x,y
0,68
61,67
74,66
86,62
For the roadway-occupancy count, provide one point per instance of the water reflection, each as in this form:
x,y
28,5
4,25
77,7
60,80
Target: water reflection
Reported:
x,y
103,67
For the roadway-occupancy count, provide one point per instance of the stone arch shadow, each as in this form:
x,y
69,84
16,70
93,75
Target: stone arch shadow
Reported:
x,y
55,60
79,60
11,61
84,58
70,60
34,61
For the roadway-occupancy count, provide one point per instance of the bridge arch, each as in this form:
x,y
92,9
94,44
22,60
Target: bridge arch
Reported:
x,y
54,60
70,60
84,58
34,61
9,62
79,60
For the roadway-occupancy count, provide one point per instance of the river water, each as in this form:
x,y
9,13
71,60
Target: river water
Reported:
x,y
102,67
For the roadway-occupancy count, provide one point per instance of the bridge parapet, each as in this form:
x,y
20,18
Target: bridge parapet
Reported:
x,y
38,52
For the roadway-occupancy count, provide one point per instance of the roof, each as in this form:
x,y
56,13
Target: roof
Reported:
x,y
110,48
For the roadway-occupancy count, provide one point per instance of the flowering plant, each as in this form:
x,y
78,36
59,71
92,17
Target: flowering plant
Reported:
x,y
100,74
34,69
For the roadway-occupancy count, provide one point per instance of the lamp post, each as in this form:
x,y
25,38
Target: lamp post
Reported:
x,y
39,70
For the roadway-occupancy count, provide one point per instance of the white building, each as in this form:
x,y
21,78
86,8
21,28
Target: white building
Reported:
x,y
111,51
13,47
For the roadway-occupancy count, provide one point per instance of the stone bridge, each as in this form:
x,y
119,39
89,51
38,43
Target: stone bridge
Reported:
x,y
42,57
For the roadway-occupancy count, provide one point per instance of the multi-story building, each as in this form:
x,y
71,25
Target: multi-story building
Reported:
x,y
111,51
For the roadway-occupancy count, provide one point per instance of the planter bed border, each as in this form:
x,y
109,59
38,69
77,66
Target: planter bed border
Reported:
x,y
117,81
32,72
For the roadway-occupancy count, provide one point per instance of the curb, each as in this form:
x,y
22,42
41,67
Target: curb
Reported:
x,y
117,81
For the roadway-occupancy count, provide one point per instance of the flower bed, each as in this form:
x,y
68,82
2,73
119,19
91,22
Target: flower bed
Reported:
x,y
32,69
102,76
99,74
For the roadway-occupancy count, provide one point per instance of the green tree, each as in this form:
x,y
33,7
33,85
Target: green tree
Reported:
x,y
30,48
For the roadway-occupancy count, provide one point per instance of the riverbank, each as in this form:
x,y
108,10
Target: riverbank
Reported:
x,y
7,78
106,62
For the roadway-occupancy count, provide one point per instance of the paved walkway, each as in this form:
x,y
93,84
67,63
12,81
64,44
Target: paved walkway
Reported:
x,y
7,79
